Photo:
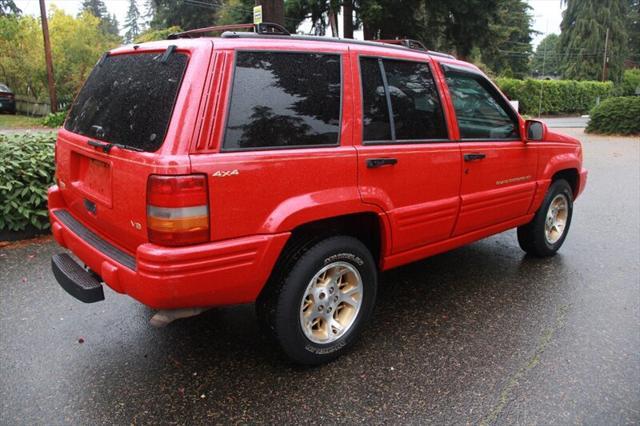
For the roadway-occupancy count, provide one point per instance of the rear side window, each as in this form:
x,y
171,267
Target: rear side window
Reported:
x,y
128,99
407,91
283,99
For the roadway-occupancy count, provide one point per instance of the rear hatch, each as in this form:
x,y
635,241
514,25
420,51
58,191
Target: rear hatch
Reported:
x,y
120,130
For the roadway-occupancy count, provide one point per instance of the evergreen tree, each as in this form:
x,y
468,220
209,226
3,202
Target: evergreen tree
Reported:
x,y
132,22
97,8
633,28
582,38
187,14
546,60
8,7
508,49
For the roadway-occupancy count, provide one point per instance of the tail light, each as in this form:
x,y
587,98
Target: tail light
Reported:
x,y
177,210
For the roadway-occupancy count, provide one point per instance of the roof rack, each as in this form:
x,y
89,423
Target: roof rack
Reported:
x,y
406,42
265,28
415,45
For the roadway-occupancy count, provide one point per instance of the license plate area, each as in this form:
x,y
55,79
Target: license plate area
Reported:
x,y
92,177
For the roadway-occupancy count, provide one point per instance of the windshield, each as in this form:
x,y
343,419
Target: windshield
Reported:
x,y
128,99
4,88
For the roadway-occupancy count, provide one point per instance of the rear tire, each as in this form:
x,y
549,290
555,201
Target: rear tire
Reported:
x,y
545,234
319,305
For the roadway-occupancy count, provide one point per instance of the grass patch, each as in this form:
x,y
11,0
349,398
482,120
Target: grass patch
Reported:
x,y
19,122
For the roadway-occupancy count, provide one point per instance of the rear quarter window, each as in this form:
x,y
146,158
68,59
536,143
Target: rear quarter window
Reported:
x,y
284,99
128,99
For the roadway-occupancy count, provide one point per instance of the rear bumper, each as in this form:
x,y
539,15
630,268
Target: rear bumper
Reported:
x,y
219,273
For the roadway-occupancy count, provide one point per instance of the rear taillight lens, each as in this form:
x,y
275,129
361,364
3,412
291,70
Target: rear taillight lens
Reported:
x,y
177,210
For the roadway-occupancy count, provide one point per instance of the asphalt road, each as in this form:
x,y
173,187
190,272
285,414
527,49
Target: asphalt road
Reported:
x,y
566,122
482,334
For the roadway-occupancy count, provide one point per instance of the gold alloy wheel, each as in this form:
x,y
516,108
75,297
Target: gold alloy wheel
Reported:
x,y
331,303
556,221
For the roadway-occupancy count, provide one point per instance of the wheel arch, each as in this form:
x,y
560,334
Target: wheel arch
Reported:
x,y
572,176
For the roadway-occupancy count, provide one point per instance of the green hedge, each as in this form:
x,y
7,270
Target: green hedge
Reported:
x,y
630,83
619,115
558,96
26,171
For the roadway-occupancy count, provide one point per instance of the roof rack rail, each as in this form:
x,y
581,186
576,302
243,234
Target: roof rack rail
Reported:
x,y
265,28
415,45
406,42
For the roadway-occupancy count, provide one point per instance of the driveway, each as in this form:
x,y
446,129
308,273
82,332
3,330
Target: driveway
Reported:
x,y
482,334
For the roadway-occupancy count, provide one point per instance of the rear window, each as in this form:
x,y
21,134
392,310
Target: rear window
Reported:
x,y
128,99
282,99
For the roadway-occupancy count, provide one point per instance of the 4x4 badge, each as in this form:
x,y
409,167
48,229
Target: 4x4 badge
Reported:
x,y
225,173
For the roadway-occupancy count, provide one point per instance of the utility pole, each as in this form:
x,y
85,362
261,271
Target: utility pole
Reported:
x,y
47,57
544,60
272,11
605,60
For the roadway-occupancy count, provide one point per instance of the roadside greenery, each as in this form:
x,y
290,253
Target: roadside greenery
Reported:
x,y
558,96
616,116
54,119
630,84
76,44
26,171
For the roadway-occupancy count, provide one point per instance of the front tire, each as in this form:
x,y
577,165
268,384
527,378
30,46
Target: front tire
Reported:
x,y
322,303
545,234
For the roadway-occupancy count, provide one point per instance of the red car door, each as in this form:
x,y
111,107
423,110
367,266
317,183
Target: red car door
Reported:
x,y
407,165
499,168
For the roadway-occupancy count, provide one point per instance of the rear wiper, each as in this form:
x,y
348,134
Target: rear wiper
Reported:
x,y
106,147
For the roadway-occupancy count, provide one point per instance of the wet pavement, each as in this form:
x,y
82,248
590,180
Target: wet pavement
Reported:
x,y
482,334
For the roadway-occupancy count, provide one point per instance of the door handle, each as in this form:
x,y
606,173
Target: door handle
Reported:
x,y
373,163
474,157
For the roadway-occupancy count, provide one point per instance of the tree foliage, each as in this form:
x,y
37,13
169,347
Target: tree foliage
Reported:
x,y
546,59
97,8
186,14
582,40
76,44
8,7
236,12
133,22
633,28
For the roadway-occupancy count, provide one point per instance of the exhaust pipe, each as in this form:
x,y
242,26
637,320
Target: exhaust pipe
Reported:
x,y
165,317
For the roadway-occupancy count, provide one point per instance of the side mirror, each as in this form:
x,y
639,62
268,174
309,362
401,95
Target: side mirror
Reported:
x,y
536,130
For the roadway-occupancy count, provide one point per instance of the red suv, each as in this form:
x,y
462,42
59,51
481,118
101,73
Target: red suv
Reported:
x,y
289,171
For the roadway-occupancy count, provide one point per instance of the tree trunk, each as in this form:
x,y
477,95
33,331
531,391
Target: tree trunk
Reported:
x,y
347,18
272,11
368,31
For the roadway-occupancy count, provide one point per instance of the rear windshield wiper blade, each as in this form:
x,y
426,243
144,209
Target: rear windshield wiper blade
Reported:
x,y
106,147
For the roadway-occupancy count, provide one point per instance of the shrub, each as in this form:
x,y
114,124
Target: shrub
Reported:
x,y
630,83
616,116
558,96
55,119
26,171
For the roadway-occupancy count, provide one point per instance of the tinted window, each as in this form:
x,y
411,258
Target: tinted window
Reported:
x,y
128,99
375,113
417,113
481,112
284,99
